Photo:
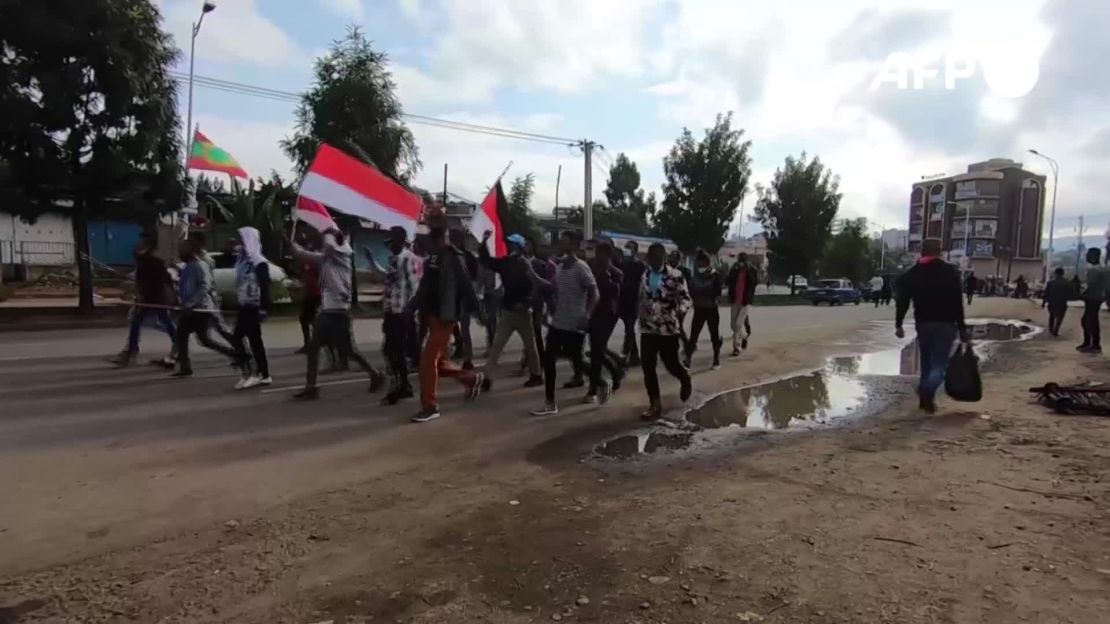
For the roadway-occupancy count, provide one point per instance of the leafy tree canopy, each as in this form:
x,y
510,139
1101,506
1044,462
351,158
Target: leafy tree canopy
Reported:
x,y
705,182
353,101
88,110
797,212
623,192
520,218
850,253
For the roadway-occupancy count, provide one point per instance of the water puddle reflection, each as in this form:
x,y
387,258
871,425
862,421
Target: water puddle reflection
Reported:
x,y
845,388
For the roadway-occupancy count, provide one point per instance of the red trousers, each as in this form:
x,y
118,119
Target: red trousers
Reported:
x,y
434,363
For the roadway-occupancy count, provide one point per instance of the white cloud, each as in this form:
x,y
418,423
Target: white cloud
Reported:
x,y
236,32
352,10
411,9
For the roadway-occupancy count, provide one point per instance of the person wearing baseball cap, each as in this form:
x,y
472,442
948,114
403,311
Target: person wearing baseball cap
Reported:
x,y
519,282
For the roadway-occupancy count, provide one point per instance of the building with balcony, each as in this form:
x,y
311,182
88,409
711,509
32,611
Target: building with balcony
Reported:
x,y
988,219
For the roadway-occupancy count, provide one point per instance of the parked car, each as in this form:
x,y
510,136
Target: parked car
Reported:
x,y
834,292
800,283
224,279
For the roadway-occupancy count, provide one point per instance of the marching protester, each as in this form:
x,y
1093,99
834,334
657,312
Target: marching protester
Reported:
x,y
1093,296
674,260
888,289
516,303
311,299
970,285
877,289
445,295
541,298
252,290
603,321
575,298
208,263
741,282
663,300
401,282
333,322
493,290
152,288
633,269
198,311
933,286
705,292
1057,293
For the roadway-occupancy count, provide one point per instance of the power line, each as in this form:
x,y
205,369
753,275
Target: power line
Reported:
x,y
228,86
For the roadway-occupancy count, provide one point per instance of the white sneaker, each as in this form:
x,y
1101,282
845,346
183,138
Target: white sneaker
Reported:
x,y
243,381
254,381
546,410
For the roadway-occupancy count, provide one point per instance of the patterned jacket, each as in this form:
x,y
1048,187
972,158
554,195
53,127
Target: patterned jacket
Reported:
x,y
660,312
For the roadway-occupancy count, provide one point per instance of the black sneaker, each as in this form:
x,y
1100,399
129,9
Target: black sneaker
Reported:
x,y
391,398
475,389
307,394
617,380
487,384
182,374
716,362
405,392
533,381
577,382
929,406
377,380
688,361
604,393
686,391
735,352
744,344
425,415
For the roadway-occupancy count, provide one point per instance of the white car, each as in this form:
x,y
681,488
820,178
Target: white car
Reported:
x,y
224,275
800,282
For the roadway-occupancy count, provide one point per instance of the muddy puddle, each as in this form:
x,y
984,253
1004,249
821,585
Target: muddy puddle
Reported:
x,y
844,389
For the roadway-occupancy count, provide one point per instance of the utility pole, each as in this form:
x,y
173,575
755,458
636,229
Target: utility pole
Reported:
x,y
588,180
1079,245
558,179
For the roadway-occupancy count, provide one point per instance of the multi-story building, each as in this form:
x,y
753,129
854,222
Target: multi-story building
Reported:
x,y
995,211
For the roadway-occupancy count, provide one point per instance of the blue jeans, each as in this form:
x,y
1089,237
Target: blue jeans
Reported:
x,y
934,341
163,318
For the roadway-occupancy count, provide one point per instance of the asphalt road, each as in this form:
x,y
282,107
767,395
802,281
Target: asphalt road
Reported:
x,y
96,457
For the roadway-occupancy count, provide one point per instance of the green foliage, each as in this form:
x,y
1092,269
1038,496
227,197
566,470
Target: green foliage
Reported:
x,y
88,110
258,208
796,212
623,192
353,102
605,218
705,182
519,218
850,253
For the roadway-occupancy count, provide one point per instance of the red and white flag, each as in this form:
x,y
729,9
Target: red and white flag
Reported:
x,y
487,218
314,213
352,187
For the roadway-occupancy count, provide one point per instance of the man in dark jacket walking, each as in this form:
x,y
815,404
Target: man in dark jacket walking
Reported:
x,y
152,287
741,281
1057,292
938,309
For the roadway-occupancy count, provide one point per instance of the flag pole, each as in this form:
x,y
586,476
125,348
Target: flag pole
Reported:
x,y
503,172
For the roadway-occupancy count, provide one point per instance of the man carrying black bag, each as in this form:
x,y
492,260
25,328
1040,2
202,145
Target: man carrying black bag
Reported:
x,y
938,309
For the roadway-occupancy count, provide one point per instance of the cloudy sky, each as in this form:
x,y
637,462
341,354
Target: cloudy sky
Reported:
x,y
630,74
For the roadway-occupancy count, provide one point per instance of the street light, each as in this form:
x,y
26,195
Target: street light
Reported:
x,y
1052,219
206,8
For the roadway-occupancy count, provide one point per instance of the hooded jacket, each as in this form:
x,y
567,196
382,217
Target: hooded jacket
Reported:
x,y
933,286
252,271
454,295
751,279
335,262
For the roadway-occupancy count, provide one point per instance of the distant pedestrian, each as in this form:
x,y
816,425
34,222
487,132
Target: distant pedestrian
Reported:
x,y
397,322
1093,296
664,297
445,295
576,295
933,286
333,324
877,289
674,260
970,286
252,293
1021,287
888,291
705,287
1057,292
197,312
633,270
741,282
200,246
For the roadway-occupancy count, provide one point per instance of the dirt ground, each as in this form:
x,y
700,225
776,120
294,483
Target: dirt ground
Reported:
x,y
994,512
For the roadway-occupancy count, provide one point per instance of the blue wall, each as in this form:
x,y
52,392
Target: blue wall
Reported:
x,y
113,242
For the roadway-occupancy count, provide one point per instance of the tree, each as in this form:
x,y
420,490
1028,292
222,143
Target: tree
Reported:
x,y
797,211
850,253
259,209
705,183
88,112
605,218
623,192
520,218
353,102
